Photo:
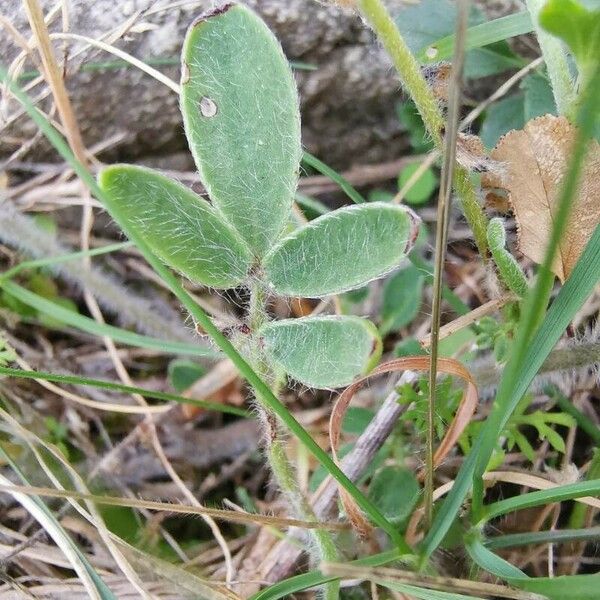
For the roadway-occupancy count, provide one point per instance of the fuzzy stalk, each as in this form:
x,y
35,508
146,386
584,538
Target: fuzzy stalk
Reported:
x,y
411,77
555,58
281,467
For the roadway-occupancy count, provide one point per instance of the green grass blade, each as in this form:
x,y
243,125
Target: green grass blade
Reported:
x,y
88,325
292,585
568,587
560,536
119,387
478,36
491,562
53,260
208,326
342,182
574,587
556,494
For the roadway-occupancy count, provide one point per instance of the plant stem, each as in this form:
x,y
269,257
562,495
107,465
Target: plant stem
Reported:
x,y
376,14
406,64
443,217
283,470
556,63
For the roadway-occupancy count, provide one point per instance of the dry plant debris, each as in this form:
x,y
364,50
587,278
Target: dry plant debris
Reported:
x,y
534,161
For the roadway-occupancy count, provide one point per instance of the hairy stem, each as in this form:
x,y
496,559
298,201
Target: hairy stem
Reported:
x,y
376,14
282,468
556,63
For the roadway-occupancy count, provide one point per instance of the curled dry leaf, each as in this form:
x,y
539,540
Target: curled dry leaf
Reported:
x,y
535,160
462,418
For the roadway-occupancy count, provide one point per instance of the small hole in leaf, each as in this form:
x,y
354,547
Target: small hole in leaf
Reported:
x,y
431,52
208,108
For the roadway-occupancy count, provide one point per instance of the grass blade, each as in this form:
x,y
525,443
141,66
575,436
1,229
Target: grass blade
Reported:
x,y
93,583
119,387
345,185
555,494
53,260
88,325
561,536
478,36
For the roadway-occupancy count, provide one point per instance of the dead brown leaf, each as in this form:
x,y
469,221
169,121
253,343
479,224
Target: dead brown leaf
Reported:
x,y
535,160
462,418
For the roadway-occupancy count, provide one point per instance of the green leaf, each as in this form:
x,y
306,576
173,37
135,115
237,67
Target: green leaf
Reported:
x,y
422,189
402,297
322,352
539,99
424,22
496,58
178,226
184,373
242,121
491,562
395,491
578,27
341,250
423,593
502,117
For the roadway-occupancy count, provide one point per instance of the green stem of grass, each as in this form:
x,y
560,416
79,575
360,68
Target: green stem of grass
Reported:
x,y
376,14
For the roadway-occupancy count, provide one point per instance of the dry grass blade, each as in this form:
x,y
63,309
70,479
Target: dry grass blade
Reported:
x,y
462,418
535,160
217,513
441,239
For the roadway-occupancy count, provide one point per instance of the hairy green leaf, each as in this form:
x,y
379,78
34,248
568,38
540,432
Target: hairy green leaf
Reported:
x,y
322,352
242,121
181,228
539,99
341,250
508,268
502,116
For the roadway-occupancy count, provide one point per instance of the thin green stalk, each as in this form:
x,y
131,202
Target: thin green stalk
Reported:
x,y
376,14
53,260
208,326
555,58
441,241
558,536
345,185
